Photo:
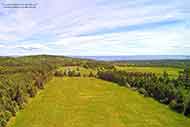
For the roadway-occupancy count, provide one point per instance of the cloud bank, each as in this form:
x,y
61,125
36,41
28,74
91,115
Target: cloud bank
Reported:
x,y
98,27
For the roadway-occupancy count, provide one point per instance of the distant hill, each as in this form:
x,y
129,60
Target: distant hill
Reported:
x,y
137,57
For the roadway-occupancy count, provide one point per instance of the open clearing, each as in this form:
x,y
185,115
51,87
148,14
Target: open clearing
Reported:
x,y
89,102
83,71
173,72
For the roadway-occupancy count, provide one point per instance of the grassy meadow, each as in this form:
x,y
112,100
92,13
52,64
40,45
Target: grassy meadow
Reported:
x,y
90,102
83,71
172,71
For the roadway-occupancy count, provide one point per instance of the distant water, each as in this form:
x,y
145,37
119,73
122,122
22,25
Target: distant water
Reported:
x,y
137,57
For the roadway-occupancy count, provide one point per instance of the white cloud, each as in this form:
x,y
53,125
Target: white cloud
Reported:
x,y
2,46
31,47
58,25
168,41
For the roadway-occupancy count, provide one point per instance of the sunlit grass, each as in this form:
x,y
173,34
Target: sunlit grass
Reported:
x,y
89,102
173,72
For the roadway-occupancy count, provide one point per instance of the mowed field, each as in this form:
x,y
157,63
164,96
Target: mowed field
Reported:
x,y
89,102
173,72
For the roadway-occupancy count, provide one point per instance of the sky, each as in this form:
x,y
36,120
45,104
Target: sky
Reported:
x,y
96,27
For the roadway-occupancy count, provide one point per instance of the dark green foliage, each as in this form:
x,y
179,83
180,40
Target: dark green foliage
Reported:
x,y
91,74
184,77
167,91
21,78
98,65
176,106
143,91
3,121
73,73
4,118
186,110
60,74
70,73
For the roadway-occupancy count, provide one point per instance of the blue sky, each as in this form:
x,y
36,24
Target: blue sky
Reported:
x,y
96,27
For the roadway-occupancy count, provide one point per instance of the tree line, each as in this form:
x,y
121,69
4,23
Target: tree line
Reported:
x,y
16,89
22,77
173,92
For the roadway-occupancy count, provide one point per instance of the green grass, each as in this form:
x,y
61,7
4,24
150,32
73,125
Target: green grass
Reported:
x,y
83,71
89,102
173,72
